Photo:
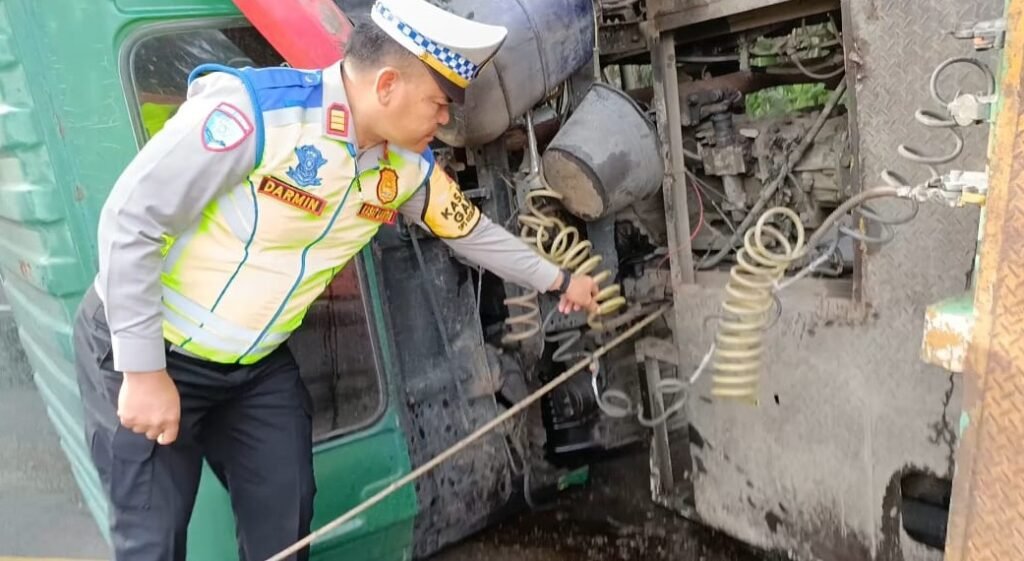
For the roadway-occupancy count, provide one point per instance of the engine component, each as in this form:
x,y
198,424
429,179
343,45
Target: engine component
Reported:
x,y
570,411
648,217
619,10
792,159
819,42
704,103
619,32
558,242
722,152
813,187
569,414
605,157
548,41
815,183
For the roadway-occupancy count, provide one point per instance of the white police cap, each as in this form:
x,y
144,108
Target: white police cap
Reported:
x,y
454,48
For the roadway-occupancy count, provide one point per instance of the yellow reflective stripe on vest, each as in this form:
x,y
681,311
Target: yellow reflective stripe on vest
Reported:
x,y
213,354
205,328
239,211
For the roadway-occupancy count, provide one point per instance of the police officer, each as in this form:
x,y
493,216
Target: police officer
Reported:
x,y
220,234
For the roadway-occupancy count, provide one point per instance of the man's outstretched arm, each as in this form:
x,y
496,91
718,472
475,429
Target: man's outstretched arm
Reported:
x,y
441,208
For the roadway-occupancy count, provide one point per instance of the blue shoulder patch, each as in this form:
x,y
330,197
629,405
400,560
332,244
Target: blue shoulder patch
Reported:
x,y
279,77
258,114
279,88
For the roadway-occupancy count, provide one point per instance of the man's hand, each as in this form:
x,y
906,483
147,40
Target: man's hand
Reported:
x,y
580,295
149,404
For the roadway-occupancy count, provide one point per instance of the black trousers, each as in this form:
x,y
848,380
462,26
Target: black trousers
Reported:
x,y
251,423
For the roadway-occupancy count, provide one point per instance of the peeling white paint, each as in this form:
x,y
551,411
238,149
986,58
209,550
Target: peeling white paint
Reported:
x,y
947,337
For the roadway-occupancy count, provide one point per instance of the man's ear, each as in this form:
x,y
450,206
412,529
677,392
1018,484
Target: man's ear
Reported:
x,y
387,82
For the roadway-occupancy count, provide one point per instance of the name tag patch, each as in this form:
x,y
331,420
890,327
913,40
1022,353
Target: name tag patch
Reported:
x,y
292,196
378,214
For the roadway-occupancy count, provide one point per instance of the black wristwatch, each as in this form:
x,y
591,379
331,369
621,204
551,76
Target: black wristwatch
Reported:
x,y
566,280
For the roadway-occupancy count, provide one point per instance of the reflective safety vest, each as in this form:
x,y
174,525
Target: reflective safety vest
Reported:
x,y
240,280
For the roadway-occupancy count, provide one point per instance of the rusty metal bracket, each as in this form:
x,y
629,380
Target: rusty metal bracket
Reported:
x,y
948,327
984,35
665,488
659,349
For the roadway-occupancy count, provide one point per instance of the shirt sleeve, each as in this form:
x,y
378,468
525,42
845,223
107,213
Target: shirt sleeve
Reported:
x,y
208,145
484,243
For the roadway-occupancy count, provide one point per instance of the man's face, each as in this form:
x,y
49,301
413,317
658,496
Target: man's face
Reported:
x,y
413,106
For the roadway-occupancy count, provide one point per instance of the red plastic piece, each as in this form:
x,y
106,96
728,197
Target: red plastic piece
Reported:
x,y
307,33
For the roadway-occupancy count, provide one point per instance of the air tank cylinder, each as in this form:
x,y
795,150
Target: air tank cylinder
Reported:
x,y
548,41
605,157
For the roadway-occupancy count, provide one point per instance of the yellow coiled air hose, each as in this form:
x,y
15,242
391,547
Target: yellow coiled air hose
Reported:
x,y
563,245
749,295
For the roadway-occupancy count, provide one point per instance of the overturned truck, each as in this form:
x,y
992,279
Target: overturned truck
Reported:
x,y
638,140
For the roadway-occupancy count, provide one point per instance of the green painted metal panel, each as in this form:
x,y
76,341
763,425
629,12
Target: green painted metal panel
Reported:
x,y
44,270
377,535
66,132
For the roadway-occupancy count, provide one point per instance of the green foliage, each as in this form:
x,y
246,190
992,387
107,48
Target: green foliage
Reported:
x,y
783,100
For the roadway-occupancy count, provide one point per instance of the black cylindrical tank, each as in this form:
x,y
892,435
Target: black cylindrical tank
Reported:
x,y
605,157
548,40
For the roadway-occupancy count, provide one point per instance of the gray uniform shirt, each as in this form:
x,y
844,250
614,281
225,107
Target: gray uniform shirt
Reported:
x,y
173,178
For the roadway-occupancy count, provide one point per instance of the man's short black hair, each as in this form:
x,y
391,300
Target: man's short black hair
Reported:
x,y
371,47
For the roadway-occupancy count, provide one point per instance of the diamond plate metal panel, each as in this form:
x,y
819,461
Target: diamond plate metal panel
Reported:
x,y
894,46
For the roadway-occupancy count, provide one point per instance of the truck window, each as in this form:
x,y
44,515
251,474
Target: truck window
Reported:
x,y
334,346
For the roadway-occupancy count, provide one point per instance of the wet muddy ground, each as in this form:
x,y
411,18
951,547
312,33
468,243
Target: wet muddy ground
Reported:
x,y
560,538
610,519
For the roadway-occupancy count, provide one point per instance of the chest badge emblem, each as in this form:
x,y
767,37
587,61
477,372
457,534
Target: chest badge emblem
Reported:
x,y
387,187
306,172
